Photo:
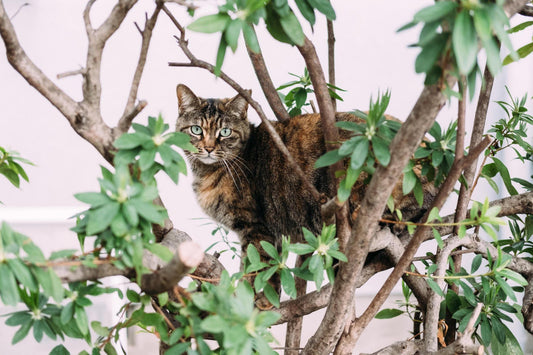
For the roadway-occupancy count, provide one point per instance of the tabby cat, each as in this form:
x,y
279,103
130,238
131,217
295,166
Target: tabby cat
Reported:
x,y
244,182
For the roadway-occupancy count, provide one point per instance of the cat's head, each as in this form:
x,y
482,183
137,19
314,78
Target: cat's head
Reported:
x,y
218,128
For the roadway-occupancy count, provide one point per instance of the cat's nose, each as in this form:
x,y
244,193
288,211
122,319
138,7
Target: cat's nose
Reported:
x,y
209,149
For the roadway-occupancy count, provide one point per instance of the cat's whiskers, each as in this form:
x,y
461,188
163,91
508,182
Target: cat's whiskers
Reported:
x,y
230,172
240,162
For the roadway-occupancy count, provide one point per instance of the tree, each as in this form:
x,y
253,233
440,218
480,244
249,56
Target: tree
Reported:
x,y
125,221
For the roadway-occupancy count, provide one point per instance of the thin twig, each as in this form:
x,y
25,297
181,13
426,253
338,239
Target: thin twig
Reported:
x,y
331,59
131,110
80,71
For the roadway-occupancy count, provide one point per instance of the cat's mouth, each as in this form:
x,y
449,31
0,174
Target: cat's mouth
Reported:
x,y
207,158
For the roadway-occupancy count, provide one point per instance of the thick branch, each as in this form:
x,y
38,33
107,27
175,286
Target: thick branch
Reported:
x,y
207,267
188,256
402,147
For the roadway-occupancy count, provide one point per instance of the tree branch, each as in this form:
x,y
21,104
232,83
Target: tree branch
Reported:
x,y
431,319
331,59
189,255
166,275
402,147
261,71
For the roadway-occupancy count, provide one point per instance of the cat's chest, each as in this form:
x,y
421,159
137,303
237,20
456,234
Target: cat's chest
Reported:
x,y
221,196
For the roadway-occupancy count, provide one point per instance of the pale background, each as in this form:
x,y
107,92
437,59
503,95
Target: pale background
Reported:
x,y
371,56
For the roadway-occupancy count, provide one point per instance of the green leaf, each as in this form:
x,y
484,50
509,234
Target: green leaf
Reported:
x,y
381,150
130,140
493,55
232,32
435,12
100,218
409,182
210,23
430,53
307,11
464,41
337,255
388,313
328,159
221,54
435,287
22,332
520,27
81,320
504,173
292,28
360,152
512,275
160,251
9,291
476,263
324,6
251,38
148,210
270,250
510,345
67,313
130,213
59,350
146,158
271,295
301,249
18,318
288,284
23,274
94,199
214,324
523,52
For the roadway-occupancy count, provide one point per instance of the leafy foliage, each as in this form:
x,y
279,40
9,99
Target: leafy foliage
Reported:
x,y
297,98
368,146
450,35
10,166
523,51
236,16
320,253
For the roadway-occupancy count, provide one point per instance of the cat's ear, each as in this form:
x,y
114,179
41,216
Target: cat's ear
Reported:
x,y
238,104
187,100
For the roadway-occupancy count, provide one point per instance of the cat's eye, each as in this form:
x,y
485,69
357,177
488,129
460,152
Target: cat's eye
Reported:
x,y
225,132
196,130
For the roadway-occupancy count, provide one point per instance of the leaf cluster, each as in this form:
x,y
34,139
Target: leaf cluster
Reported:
x,y
451,34
368,146
236,16
320,254
121,214
523,51
509,132
10,166
297,98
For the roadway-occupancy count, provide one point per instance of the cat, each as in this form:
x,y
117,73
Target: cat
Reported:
x,y
245,183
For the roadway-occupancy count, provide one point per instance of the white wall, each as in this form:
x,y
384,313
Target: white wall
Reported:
x,y
370,56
